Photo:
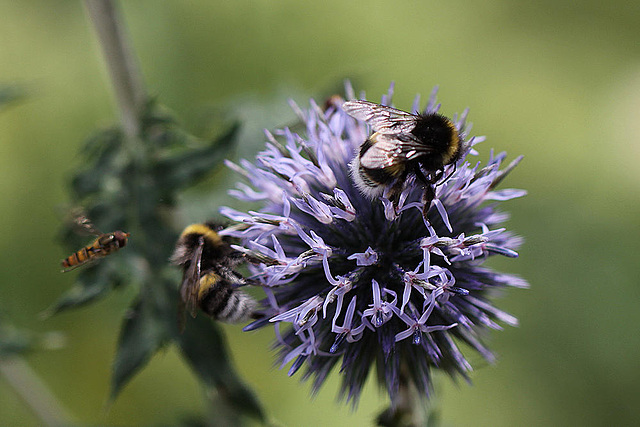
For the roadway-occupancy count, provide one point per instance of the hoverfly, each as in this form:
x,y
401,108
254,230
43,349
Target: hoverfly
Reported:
x,y
103,245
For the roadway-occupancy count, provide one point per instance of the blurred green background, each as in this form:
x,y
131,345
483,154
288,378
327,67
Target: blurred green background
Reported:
x,y
556,81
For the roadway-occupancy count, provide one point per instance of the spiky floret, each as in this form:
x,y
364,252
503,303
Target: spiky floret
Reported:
x,y
356,283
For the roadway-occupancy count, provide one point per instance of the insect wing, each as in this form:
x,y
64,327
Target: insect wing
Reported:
x,y
84,225
381,118
191,280
382,154
80,264
388,151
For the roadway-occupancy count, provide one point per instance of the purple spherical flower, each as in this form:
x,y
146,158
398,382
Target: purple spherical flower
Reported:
x,y
360,284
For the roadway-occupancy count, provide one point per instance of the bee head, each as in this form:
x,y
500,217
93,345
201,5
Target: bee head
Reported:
x,y
435,130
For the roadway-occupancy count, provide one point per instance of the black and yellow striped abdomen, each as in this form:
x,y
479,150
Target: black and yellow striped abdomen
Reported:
x,y
219,299
209,282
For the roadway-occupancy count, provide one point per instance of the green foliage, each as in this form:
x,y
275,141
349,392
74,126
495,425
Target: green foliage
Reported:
x,y
131,185
148,326
10,94
17,342
206,356
14,341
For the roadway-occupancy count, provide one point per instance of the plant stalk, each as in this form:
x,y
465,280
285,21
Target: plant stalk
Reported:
x,y
34,392
409,408
123,69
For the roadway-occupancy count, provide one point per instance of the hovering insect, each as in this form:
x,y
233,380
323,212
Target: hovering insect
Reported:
x,y
402,144
105,244
209,281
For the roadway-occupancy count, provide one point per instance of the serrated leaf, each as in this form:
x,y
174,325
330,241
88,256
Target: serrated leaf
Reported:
x,y
204,347
102,157
145,331
91,285
187,167
103,145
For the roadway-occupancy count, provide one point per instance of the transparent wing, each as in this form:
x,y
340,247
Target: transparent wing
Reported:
x,y
76,220
82,224
388,151
191,280
382,119
80,264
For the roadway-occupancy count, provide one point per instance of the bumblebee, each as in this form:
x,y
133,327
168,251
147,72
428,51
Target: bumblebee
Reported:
x,y
104,244
209,281
402,144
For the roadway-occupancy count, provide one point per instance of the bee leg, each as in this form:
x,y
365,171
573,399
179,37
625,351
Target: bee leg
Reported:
x,y
429,192
421,177
259,258
396,189
428,195
251,282
228,274
236,279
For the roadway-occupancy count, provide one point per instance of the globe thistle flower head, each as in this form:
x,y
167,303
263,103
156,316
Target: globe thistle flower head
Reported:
x,y
359,285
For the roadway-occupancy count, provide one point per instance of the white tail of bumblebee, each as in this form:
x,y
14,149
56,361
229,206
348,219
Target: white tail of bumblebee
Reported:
x,y
238,308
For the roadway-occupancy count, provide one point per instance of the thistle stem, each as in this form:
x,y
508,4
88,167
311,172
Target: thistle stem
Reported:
x,y
123,69
408,409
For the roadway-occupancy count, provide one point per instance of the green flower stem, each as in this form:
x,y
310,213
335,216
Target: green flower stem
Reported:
x,y
409,408
128,87
34,392
123,69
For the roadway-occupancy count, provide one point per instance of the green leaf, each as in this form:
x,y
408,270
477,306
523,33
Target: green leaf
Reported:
x,y
145,330
10,93
187,167
204,347
13,341
92,283
128,185
102,158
